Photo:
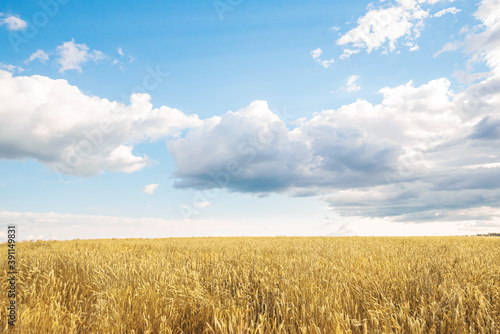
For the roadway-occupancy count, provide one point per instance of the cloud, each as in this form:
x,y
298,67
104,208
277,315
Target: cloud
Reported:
x,y
451,10
72,56
327,63
76,134
150,188
485,46
450,46
482,42
11,68
119,62
316,53
13,23
39,54
403,158
422,150
347,53
385,26
253,151
487,129
351,85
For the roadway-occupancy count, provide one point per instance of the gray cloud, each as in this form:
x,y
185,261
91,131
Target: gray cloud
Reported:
x,y
487,129
252,150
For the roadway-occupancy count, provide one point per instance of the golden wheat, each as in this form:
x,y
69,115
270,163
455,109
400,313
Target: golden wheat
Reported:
x,y
259,285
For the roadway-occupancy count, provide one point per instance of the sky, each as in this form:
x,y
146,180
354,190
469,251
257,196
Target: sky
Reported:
x,y
148,119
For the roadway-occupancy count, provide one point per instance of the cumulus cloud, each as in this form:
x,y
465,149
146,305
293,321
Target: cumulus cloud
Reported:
x,y
38,54
253,151
71,56
73,133
150,188
385,26
13,23
403,158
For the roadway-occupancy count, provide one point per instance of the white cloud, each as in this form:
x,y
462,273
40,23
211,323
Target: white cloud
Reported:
x,y
432,2
489,12
119,62
327,63
405,157
485,46
482,42
11,68
451,10
347,53
316,53
76,134
13,23
386,26
150,188
450,46
351,85
39,54
72,56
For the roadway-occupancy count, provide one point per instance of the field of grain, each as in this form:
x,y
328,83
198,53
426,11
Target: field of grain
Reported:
x,y
259,285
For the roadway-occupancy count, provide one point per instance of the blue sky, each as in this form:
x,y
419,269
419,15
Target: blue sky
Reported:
x,y
169,118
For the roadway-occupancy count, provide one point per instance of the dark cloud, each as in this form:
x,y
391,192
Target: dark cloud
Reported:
x,y
487,129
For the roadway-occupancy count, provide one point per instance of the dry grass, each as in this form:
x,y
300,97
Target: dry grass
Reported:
x,y
259,285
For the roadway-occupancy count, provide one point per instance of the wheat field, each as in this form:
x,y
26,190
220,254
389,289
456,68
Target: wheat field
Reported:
x,y
259,285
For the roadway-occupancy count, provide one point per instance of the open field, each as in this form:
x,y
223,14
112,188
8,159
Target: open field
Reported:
x,y
259,285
